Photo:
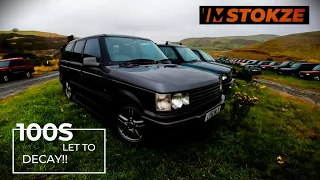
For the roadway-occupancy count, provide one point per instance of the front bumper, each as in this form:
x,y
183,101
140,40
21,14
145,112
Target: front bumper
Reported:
x,y
174,120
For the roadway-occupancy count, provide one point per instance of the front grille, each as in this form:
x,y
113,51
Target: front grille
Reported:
x,y
204,95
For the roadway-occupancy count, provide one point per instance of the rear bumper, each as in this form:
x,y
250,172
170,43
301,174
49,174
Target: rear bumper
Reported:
x,y
174,120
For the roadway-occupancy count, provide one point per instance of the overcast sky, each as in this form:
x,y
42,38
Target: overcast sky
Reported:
x,y
159,20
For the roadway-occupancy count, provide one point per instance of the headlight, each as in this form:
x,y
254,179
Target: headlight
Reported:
x,y
179,99
224,77
163,102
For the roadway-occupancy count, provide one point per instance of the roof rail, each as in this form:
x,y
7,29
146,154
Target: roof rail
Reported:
x,y
169,42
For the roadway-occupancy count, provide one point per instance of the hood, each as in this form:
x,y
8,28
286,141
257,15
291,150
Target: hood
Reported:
x,y
219,64
288,69
163,78
217,69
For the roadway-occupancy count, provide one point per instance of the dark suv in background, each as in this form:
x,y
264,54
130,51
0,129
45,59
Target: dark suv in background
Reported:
x,y
132,78
182,55
15,67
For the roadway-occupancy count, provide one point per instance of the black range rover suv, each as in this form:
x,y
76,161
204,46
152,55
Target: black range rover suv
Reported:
x,y
133,79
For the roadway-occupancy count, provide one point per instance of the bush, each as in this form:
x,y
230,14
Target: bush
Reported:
x,y
240,108
245,75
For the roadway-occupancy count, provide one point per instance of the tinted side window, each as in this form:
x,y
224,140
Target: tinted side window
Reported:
x,y
67,54
77,51
197,53
92,49
169,52
16,63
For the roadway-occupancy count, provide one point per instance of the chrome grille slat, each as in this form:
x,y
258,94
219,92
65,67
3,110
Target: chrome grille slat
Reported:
x,y
205,95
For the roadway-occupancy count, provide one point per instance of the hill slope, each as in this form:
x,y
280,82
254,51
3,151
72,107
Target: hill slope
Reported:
x,y
301,46
40,43
34,33
226,43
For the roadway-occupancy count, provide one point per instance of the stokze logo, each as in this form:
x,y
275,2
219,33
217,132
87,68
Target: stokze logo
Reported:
x,y
254,14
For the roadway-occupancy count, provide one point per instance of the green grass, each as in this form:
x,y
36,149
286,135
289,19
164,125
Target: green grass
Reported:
x,y
273,127
292,81
34,33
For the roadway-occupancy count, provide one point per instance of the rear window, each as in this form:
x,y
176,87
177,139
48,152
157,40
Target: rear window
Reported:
x,y
4,64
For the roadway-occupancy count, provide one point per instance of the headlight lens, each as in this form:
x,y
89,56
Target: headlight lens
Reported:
x,y
163,102
224,77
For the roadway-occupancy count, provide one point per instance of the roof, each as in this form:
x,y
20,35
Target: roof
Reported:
x,y
111,35
171,45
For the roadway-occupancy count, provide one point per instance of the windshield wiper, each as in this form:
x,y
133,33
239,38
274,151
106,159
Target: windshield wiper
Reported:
x,y
193,61
136,62
164,61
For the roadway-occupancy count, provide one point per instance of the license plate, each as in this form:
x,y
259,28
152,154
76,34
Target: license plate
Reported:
x,y
301,75
254,70
212,113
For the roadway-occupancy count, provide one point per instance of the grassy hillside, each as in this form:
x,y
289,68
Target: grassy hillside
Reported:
x,y
30,40
226,43
34,33
301,46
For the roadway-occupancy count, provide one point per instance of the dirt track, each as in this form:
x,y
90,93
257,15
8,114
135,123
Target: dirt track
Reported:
x,y
13,87
304,94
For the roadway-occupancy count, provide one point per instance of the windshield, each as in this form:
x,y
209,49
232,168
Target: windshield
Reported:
x,y
4,64
296,65
187,54
285,63
205,56
123,49
317,68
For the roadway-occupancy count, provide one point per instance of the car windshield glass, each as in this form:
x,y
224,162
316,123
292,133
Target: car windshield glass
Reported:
x,y
205,56
4,64
317,68
187,54
122,49
272,63
296,65
285,63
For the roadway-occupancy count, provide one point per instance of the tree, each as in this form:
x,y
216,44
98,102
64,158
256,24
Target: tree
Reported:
x,y
15,30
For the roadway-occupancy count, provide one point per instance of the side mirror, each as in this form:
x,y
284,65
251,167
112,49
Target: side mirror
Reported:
x,y
90,61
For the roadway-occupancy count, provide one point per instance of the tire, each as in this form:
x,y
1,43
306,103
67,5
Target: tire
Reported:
x,y
68,90
28,74
4,78
129,125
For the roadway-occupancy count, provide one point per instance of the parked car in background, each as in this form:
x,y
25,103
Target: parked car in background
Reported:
x,y
263,63
313,74
15,67
269,66
285,64
243,62
182,55
251,62
130,76
296,68
254,69
209,59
